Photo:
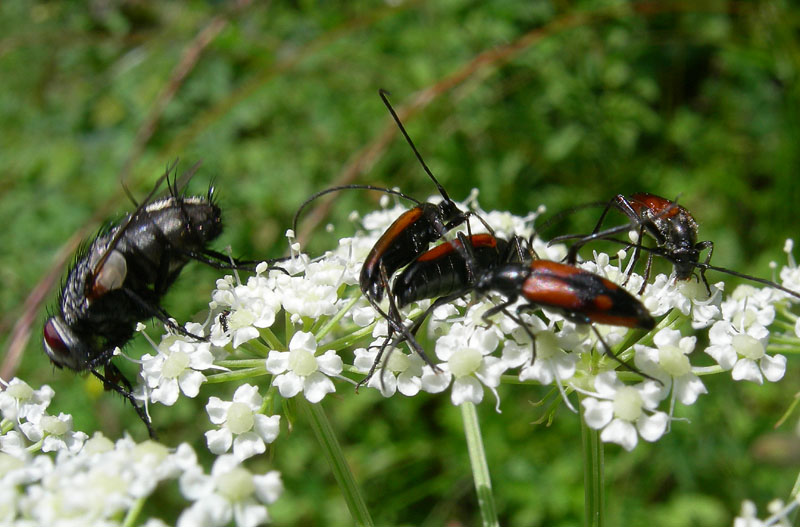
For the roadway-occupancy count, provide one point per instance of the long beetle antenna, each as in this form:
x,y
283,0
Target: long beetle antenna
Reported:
x,y
383,93
321,193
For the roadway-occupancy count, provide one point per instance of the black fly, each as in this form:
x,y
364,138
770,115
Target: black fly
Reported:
x,y
120,277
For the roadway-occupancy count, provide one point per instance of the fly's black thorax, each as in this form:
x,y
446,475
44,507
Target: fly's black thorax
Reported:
x,y
164,236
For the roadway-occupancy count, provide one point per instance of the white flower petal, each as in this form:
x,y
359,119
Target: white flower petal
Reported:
x,y
607,384
597,414
242,335
268,487
384,381
724,355
773,367
248,445
620,432
688,388
490,371
651,427
466,389
666,337
435,382
190,382
303,340
747,370
248,395
316,386
166,393
289,384
219,441
267,427
217,410
408,384
277,362
330,363
250,515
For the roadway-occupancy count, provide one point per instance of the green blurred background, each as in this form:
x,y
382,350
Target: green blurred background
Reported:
x,y
552,103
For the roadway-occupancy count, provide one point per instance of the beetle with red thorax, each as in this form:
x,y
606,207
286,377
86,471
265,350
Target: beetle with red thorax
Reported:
x,y
120,277
672,227
674,230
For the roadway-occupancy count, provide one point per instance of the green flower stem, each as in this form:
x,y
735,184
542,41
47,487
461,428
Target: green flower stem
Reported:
x,y
272,341
238,375
707,370
788,413
783,309
480,469
335,319
348,340
646,337
240,363
514,379
593,478
6,425
783,324
133,513
795,489
783,349
255,347
35,447
333,452
780,339
287,320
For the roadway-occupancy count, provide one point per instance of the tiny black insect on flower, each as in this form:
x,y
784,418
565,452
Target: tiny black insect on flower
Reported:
x,y
120,277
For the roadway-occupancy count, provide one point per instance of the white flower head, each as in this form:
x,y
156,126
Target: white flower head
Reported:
x,y
176,368
790,274
466,355
20,401
669,363
397,371
56,431
241,418
745,352
299,369
621,411
249,307
230,492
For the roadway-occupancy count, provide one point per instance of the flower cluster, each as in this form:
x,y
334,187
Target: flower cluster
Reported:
x,y
95,481
330,335
304,329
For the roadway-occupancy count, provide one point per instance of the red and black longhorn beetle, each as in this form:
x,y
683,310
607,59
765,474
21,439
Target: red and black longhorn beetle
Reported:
x,y
674,230
501,266
580,296
409,236
442,273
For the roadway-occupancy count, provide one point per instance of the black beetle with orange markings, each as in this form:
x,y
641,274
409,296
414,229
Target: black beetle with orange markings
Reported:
x,y
674,230
442,273
409,236
580,296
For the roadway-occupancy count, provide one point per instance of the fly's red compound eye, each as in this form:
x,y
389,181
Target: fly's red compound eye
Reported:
x,y
54,344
